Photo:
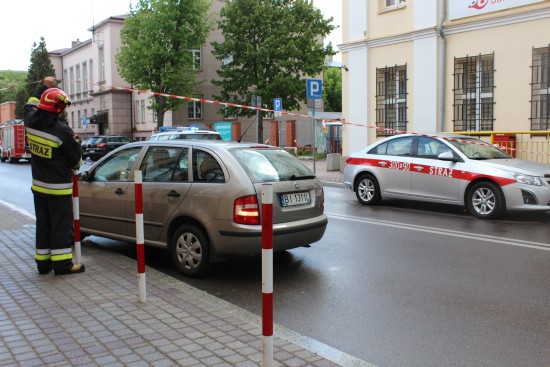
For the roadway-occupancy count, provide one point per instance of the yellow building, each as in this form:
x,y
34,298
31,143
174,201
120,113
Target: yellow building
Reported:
x,y
444,65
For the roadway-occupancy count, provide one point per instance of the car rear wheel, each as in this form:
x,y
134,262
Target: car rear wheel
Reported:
x,y
190,251
485,200
367,190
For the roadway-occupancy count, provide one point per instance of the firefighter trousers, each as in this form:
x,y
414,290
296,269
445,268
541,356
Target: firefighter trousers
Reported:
x,y
54,233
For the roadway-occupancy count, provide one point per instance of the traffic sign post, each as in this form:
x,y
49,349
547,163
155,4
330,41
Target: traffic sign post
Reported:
x,y
314,91
278,108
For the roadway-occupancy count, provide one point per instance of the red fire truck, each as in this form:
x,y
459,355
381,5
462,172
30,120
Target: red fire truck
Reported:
x,y
13,143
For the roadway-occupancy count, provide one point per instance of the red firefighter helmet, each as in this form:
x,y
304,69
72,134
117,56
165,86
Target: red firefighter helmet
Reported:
x,y
54,100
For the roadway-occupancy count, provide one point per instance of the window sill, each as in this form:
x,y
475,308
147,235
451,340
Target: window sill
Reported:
x,y
393,8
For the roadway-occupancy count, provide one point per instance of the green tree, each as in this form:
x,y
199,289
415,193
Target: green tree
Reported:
x,y
269,47
40,67
332,89
11,80
20,100
157,40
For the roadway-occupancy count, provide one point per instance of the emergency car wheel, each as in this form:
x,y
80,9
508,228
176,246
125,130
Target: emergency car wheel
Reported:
x,y
190,251
486,201
367,190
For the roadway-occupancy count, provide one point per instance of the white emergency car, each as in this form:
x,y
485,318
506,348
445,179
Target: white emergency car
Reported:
x,y
447,169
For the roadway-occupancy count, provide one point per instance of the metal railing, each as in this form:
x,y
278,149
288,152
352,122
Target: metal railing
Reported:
x,y
521,146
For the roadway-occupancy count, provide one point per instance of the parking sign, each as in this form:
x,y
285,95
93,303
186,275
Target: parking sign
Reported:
x,y
314,88
278,106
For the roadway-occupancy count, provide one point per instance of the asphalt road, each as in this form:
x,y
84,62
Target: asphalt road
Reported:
x,y
400,284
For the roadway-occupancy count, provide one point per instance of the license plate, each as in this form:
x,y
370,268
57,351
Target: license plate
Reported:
x,y
298,198
26,156
90,151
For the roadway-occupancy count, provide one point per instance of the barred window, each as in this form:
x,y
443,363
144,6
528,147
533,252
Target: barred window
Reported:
x,y
540,89
473,108
391,99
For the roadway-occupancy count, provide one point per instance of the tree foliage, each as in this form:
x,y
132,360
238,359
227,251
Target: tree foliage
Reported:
x,y
269,48
332,89
13,80
157,39
39,68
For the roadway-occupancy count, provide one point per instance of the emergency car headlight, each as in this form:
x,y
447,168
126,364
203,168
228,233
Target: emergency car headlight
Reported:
x,y
528,180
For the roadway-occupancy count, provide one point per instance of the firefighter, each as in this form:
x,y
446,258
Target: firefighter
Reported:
x,y
55,153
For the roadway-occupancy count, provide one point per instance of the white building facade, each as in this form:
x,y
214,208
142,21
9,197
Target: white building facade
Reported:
x,y
444,66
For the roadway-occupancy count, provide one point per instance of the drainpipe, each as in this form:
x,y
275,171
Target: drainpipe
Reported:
x,y
442,63
132,112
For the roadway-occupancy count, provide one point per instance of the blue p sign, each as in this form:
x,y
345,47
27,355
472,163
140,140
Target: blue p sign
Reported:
x,y
314,88
278,104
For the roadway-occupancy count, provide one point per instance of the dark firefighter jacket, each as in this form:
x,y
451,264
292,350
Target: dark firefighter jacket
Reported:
x,y
55,152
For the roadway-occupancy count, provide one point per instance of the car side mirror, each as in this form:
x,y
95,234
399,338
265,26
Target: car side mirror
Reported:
x,y
447,156
84,176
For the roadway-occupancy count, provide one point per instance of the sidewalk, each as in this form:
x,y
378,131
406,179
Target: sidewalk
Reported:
x,y
95,318
329,178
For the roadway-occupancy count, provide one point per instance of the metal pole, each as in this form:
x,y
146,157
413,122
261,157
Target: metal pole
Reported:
x,y
140,238
314,135
76,219
267,274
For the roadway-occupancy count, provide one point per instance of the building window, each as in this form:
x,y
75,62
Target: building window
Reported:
x,y
71,81
197,59
137,117
91,75
72,119
142,110
101,64
392,4
65,80
474,93
78,85
540,89
195,108
85,78
79,119
391,99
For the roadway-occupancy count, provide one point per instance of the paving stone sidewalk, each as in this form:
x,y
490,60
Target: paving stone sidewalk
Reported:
x,y
96,319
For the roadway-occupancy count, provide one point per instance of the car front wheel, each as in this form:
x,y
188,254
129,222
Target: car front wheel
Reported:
x,y
190,251
367,190
486,201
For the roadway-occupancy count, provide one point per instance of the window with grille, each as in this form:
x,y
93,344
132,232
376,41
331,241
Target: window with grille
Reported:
x,y
473,108
540,89
195,108
391,99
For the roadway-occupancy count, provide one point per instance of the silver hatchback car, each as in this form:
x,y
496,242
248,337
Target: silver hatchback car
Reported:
x,y
447,169
202,199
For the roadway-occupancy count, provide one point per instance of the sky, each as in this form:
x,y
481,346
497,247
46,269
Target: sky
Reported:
x,y
25,21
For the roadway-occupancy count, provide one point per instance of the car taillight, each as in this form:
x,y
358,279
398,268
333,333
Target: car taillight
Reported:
x,y
246,210
101,145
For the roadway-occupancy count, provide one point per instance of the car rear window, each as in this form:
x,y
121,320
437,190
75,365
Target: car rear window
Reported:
x,y
267,165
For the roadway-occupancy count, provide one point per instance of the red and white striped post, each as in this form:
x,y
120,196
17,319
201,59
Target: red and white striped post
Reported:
x,y
76,220
267,274
140,238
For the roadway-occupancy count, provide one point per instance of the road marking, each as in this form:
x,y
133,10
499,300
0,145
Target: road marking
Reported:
x,y
446,232
17,209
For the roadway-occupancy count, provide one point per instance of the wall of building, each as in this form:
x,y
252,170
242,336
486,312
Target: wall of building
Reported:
x,y
7,111
408,34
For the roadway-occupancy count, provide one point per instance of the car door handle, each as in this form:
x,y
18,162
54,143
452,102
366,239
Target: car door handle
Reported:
x,y
173,194
119,191
418,168
382,163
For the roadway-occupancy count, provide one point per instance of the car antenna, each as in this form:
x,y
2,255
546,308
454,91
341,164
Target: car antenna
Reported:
x,y
241,137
